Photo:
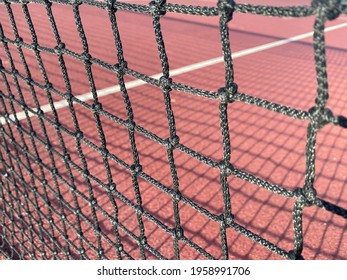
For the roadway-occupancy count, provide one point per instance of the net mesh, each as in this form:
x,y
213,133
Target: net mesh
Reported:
x,y
38,221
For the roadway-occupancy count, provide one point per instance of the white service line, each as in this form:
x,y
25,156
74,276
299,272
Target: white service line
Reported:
x,y
185,69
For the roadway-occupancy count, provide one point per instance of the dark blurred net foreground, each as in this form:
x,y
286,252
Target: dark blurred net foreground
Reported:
x,y
64,195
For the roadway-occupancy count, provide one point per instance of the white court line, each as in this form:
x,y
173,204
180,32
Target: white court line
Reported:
x,y
189,68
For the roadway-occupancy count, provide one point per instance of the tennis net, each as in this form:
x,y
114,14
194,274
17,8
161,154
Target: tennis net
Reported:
x,y
39,220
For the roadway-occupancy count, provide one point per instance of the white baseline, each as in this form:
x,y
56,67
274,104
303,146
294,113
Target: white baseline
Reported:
x,y
189,68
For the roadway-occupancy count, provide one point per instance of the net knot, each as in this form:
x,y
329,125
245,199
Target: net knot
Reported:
x,y
61,45
29,81
76,3
143,241
227,220
24,107
48,3
165,83
59,48
293,255
223,95
54,171
306,196
131,125
136,168
120,248
226,95
104,152
111,5
35,47
25,150
97,107
120,67
100,253
79,135
178,232
86,57
57,125
115,221
40,112
177,196
85,173
112,187
48,86
172,142
225,167
18,41
157,7
93,201
321,116
226,8
330,8
68,96
139,210
14,72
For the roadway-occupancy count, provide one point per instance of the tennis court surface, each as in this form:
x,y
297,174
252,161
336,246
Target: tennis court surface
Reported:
x,y
173,129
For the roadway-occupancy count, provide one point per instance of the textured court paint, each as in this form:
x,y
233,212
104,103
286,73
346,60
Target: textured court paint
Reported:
x,y
189,68
253,208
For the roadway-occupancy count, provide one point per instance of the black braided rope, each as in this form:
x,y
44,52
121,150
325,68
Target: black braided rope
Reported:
x,y
25,191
